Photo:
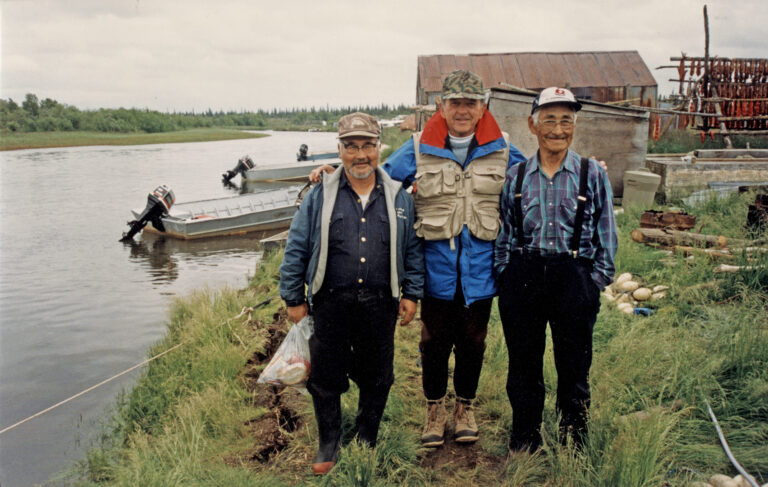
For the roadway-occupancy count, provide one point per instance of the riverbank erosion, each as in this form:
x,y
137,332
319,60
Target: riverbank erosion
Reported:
x,y
39,140
198,417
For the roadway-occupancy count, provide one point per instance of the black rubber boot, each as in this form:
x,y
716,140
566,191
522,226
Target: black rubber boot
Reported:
x,y
328,417
370,409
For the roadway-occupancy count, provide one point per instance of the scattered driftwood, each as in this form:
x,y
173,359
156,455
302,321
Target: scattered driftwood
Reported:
x,y
714,253
670,238
737,268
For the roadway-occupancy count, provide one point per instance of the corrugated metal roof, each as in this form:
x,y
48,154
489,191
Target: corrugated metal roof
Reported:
x,y
538,70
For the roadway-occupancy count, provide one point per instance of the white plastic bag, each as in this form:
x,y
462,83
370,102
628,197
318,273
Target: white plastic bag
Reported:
x,y
290,364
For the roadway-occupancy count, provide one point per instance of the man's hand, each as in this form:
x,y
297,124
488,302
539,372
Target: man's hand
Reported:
x,y
315,175
407,311
296,313
601,162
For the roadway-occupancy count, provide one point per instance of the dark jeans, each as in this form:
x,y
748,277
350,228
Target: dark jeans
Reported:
x,y
353,339
533,291
451,325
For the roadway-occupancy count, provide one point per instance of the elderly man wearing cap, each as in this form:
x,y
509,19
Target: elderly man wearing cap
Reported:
x,y
553,257
457,166
353,245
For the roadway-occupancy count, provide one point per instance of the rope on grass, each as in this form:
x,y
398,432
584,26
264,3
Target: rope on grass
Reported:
x,y
727,449
246,310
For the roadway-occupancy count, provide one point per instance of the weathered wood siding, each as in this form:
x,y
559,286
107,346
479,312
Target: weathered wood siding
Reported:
x,y
618,135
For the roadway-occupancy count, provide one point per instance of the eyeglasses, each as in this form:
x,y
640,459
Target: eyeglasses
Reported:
x,y
550,125
353,150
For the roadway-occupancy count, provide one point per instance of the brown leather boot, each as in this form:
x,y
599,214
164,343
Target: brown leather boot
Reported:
x,y
464,421
434,429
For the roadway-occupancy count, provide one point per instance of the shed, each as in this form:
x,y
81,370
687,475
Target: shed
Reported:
x,y
603,76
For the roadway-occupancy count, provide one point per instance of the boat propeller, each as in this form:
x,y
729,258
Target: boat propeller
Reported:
x,y
243,164
159,202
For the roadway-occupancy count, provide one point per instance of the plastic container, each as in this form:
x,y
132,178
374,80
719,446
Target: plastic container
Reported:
x,y
640,188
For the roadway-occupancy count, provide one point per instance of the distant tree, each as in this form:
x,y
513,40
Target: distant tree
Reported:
x,y
31,105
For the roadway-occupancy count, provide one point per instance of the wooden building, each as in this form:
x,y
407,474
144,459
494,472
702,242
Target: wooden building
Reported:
x,y
603,76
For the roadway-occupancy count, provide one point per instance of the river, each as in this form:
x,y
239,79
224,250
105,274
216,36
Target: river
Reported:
x,y
76,305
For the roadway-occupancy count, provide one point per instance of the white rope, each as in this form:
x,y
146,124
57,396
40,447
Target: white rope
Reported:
x,y
90,389
245,310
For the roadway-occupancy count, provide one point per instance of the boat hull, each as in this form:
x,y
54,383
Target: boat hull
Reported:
x,y
297,171
237,215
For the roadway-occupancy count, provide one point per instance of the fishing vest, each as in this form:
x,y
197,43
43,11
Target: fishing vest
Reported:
x,y
448,197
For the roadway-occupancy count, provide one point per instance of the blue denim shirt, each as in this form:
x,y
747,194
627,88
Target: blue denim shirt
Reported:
x,y
358,244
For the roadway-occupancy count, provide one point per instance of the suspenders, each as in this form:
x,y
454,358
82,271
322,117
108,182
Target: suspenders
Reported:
x,y
578,220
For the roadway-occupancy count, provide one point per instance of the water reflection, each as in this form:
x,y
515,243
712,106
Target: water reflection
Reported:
x,y
161,256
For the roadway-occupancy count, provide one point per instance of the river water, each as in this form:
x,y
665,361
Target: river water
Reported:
x,y
76,305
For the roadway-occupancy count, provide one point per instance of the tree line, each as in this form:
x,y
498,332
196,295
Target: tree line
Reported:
x,y
48,115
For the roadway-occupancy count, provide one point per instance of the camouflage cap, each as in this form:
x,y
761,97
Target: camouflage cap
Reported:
x,y
358,124
463,84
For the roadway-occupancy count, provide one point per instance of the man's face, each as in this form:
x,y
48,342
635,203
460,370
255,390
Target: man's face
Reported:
x,y
461,115
360,156
555,128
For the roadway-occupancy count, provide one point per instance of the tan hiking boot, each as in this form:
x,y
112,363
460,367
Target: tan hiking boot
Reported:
x,y
464,421
434,429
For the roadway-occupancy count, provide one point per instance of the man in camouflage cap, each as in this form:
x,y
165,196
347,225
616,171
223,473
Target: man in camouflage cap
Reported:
x,y
457,166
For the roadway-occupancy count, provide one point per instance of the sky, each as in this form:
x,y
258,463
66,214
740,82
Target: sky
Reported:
x,y
184,55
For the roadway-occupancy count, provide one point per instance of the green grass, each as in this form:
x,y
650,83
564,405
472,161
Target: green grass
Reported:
x,y
35,140
708,341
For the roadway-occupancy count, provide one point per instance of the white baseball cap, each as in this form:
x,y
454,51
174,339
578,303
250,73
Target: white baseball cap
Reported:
x,y
554,94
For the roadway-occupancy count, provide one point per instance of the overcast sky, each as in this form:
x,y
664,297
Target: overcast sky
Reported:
x,y
249,54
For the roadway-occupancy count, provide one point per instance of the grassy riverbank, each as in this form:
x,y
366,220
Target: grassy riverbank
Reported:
x,y
197,417
36,140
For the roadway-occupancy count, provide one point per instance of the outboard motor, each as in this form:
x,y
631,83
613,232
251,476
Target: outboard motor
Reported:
x,y
302,154
159,202
243,164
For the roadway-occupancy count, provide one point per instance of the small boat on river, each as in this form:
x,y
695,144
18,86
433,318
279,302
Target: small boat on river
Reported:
x,y
233,215
295,171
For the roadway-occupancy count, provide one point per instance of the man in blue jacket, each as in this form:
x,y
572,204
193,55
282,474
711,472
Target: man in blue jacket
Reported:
x,y
353,244
457,166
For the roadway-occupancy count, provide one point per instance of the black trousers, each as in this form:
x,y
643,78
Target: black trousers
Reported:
x,y
533,291
452,326
353,339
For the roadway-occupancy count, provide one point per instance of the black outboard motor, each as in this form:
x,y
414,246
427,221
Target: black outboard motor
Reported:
x,y
159,202
302,154
243,164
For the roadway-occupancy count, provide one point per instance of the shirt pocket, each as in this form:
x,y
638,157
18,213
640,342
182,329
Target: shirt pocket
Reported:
x,y
336,229
383,222
567,216
531,216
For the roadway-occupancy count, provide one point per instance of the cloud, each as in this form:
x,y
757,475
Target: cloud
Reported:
x,y
238,54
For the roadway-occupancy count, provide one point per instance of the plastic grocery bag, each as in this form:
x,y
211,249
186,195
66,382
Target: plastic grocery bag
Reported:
x,y
290,364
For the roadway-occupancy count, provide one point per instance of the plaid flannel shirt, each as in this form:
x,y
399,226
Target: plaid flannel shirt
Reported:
x,y
549,209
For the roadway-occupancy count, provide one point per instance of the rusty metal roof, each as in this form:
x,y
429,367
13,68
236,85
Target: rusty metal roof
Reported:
x,y
539,70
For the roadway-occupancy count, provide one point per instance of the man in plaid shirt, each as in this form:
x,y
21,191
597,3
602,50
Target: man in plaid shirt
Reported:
x,y
552,258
